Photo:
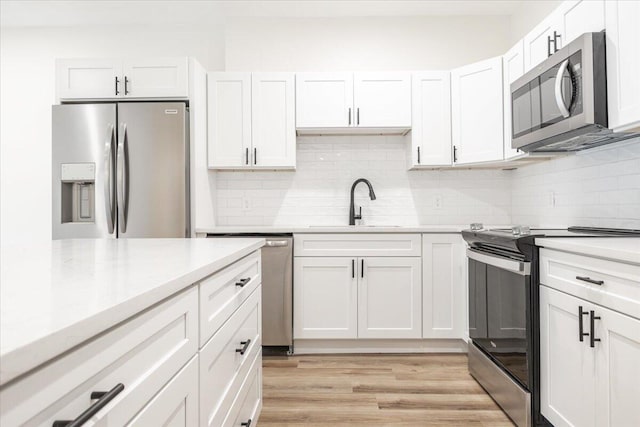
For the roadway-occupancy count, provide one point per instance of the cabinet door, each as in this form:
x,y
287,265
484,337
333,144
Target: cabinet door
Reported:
x,y
156,77
618,369
89,78
567,366
431,122
389,297
443,287
476,101
177,403
513,68
382,99
537,46
229,119
324,100
576,17
623,64
325,298
273,120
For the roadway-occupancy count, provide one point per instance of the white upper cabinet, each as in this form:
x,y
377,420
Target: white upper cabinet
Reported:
x,y
476,112
122,78
273,120
157,77
513,68
229,130
623,64
89,78
570,20
324,100
431,119
251,121
342,101
382,99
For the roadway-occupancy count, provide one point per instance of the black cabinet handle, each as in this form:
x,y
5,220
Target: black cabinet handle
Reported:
x,y
358,116
556,36
362,268
117,84
349,116
246,156
126,85
590,280
246,424
245,346
455,154
593,319
581,333
103,398
548,46
418,155
255,156
353,268
243,282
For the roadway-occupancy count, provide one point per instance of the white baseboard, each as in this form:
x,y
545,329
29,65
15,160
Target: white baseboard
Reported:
x,y
379,346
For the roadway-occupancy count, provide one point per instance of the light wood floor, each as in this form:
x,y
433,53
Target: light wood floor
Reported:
x,y
375,390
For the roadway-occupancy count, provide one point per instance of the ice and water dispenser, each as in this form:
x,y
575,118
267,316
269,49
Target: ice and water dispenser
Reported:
x,y
78,195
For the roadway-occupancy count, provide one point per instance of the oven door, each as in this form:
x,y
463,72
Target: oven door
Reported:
x,y
499,313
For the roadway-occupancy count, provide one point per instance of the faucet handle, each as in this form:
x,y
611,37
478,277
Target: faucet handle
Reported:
x,y
359,214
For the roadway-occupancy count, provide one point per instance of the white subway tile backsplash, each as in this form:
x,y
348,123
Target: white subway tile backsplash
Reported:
x,y
594,188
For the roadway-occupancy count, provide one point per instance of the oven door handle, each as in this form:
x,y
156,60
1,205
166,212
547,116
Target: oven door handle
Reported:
x,y
522,268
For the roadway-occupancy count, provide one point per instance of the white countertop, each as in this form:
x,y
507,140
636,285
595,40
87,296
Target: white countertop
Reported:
x,y
299,229
55,296
626,249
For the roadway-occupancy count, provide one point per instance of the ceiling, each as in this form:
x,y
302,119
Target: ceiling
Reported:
x,y
153,12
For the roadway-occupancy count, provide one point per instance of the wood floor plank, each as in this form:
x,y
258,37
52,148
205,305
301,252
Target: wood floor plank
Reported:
x,y
375,390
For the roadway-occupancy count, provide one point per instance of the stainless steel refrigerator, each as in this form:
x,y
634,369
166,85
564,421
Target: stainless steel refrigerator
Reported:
x,y
120,170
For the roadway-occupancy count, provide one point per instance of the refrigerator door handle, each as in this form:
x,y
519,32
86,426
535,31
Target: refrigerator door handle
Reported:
x,y
109,203
123,182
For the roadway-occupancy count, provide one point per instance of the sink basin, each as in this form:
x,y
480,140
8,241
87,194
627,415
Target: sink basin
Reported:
x,y
354,226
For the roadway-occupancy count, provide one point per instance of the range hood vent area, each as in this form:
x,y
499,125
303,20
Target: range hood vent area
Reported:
x,y
577,140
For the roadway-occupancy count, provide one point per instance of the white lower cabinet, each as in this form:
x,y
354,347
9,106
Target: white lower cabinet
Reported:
x,y
325,297
389,298
585,383
357,297
177,403
443,292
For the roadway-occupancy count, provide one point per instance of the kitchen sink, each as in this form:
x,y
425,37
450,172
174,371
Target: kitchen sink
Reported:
x,y
354,226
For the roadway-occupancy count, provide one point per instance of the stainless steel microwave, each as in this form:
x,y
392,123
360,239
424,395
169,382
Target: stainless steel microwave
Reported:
x,y
561,104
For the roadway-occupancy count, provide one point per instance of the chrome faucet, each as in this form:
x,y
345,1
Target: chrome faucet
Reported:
x,y
352,211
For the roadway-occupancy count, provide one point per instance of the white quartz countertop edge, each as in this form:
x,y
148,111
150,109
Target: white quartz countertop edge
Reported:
x,y
333,229
624,249
17,361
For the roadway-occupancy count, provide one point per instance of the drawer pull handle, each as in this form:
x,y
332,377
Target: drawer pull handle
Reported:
x,y
243,282
246,424
103,398
590,280
593,319
581,334
245,346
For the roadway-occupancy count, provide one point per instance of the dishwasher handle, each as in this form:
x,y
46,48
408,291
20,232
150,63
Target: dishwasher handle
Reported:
x,y
277,243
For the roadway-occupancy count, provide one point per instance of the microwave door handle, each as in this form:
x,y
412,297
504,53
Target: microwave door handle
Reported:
x,y
108,179
559,98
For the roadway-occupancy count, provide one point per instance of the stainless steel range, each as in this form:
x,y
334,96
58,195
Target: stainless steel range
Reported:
x,y
504,313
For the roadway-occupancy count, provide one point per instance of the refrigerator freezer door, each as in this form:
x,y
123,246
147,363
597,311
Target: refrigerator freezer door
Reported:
x,y
152,170
83,154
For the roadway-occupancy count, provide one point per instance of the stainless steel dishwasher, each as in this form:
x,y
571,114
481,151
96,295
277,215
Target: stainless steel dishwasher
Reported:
x,y
277,290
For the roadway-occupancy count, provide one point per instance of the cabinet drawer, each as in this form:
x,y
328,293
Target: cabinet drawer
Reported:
x,y
221,293
357,244
248,402
176,404
222,366
142,354
620,288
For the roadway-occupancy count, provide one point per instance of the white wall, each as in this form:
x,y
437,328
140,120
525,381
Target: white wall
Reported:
x,y
529,14
390,43
27,92
599,187
318,191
